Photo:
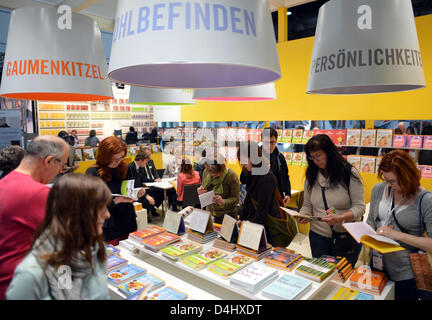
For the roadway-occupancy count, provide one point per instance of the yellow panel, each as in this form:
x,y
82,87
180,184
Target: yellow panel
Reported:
x,y
282,24
294,104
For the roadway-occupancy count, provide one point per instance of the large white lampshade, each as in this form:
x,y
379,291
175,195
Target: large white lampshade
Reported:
x,y
44,62
251,93
160,96
194,44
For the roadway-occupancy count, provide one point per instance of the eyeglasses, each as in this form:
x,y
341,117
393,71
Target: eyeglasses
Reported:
x,y
64,166
315,157
392,182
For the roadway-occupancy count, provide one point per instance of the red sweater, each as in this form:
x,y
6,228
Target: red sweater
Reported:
x,y
22,209
182,180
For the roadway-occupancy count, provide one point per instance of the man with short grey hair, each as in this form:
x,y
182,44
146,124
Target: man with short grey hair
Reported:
x,y
23,194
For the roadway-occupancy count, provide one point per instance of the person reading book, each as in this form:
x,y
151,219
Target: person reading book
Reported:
x,y
394,213
111,167
225,184
23,194
67,260
334,192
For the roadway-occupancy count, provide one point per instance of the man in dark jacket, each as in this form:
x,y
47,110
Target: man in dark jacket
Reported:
x,y
278,164
132,136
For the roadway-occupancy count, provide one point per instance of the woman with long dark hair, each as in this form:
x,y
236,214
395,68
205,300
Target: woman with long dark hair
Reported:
x,y
333,192
111,168
68,257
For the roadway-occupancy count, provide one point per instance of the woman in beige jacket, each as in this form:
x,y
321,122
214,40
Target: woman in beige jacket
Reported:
x,y
333,194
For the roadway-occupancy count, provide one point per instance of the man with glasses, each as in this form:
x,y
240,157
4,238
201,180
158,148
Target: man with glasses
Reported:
x,y
23,194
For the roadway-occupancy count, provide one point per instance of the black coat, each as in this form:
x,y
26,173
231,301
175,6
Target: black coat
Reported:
x,y
280,171
262,189
132,137
142,177
123,217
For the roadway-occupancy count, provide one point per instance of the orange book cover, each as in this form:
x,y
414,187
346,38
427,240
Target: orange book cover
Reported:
x,y
377,278
148,232
161,239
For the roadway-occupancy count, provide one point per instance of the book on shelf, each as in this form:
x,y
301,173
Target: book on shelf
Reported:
x,y
287,287
120,275
158,241
283,258
315,269
368,137
427,142
134,285
370,281
399,141
110,249
115,262
384,138
354,161
230,264
363,233
350,294
339,137
139,236
296,214
297,136
353,137
343,267
168,293
414,141
199,261
254,277
180,250
367,164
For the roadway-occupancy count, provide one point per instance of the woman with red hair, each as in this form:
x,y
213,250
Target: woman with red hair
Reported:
x,y
111,168
395,210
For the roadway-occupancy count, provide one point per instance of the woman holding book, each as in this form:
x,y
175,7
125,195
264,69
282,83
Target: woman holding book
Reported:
x,y
187,176
68,257
261,186
225,184
112,169
395,213
333,194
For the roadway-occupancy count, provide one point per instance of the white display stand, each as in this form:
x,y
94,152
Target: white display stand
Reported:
x,y
206,277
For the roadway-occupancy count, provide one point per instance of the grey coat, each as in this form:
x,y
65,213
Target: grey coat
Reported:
x,y
397,264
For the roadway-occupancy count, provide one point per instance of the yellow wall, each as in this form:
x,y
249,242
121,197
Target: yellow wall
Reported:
x,y
294,104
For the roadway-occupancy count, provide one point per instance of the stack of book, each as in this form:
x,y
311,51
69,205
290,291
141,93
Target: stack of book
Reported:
x,y
220,243
254,277
201,238
343,267
367,280
256,254
119,275
111,250
315,269
134,285
139,236
230,265
200,261
168,293
287,288
350,294
156,242
180,250
115,262
283,258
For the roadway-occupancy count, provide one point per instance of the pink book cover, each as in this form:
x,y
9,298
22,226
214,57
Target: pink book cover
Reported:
x,y
414,142
398,141
427,142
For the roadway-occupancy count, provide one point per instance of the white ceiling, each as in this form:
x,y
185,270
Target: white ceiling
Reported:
x,y
104,11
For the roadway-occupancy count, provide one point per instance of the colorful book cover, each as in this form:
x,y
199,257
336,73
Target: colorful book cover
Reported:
x,y
111,250
399,141
142,234
180,249
384,138
282,257
232,263
168,293
88,154
350,294
354,161
287,135
122,274
134,285
353,137
200,261
304,160
287,288
339,137
426,172
280,133
253,274
307,134
415,142
427,142
288,157
297,159
377,163
367,164
114,261
297,136
160,239
368,137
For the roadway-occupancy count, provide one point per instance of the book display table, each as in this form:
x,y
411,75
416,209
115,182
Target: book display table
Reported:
x,y
214,284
